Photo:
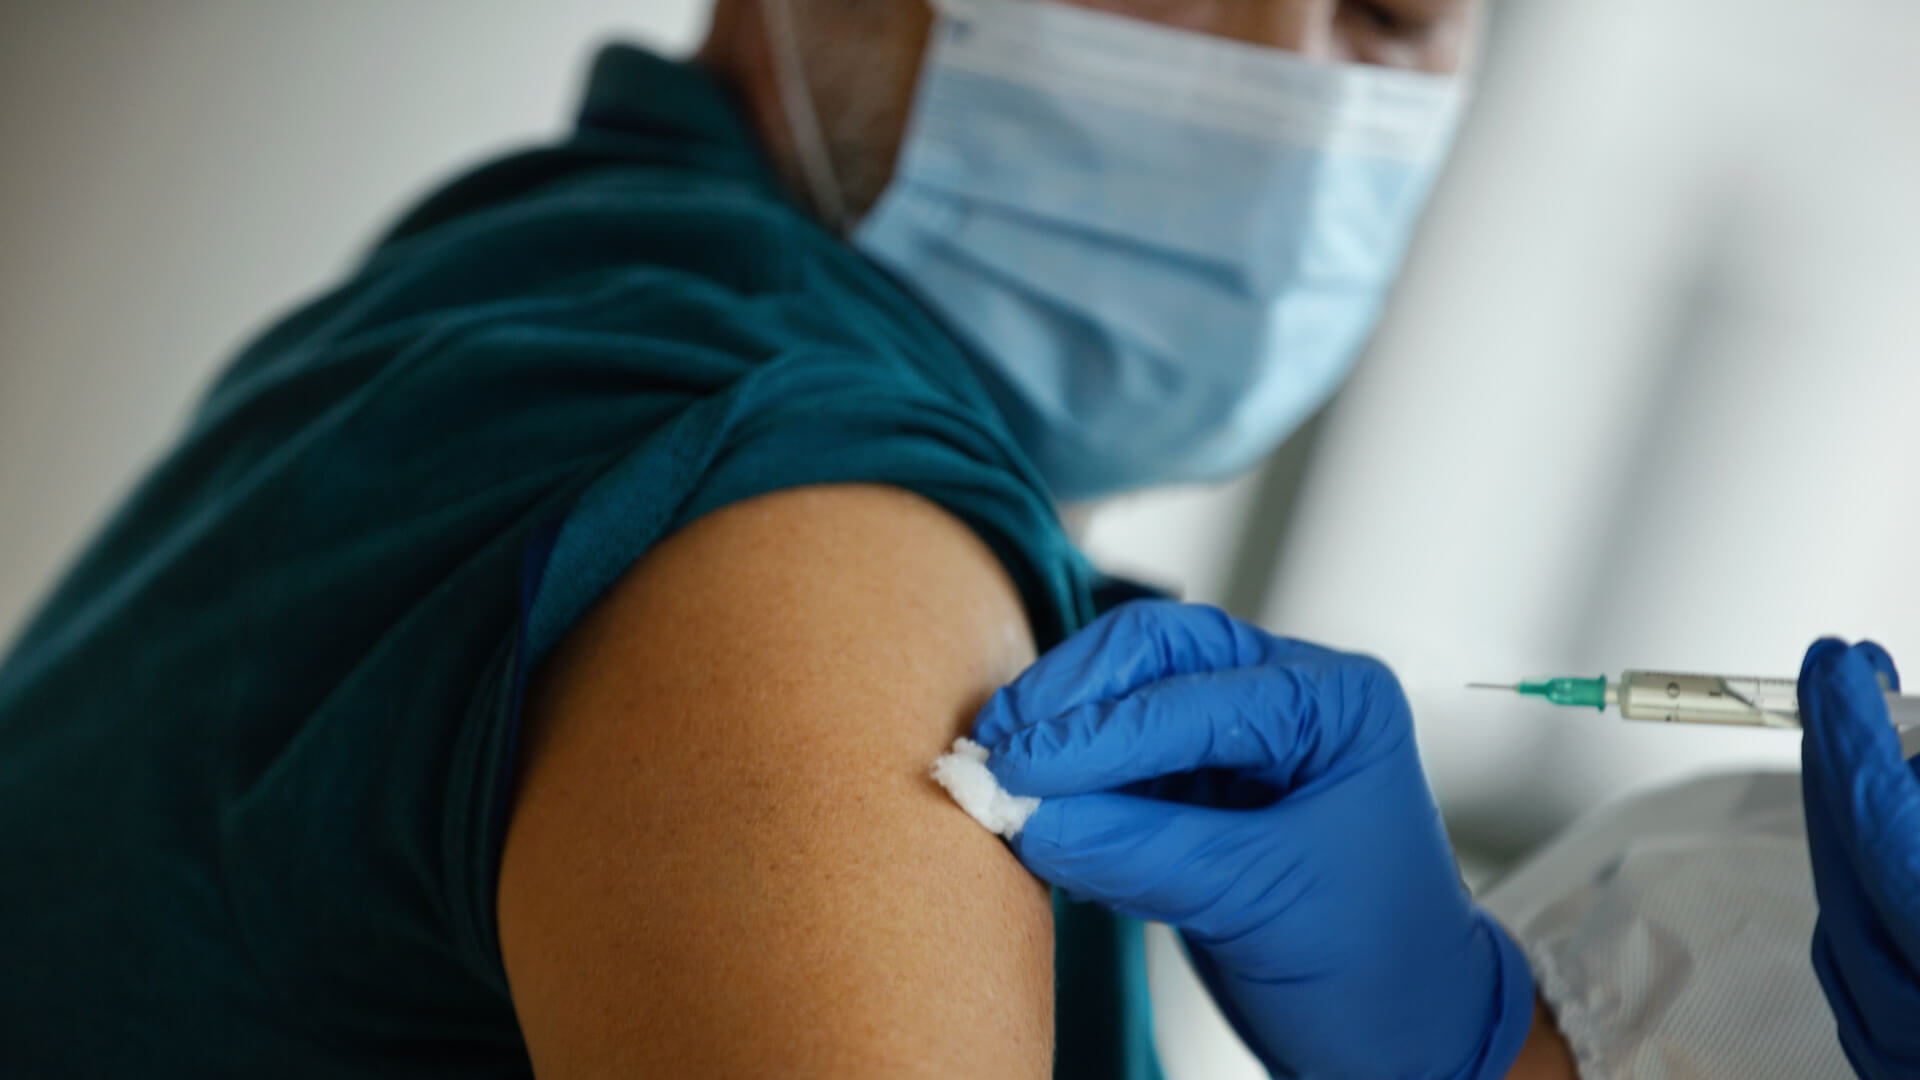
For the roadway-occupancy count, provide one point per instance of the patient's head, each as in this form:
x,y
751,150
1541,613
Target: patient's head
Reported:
x,y
862,58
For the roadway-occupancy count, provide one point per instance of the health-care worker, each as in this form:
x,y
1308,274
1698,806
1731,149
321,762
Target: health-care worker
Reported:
x,y
529,657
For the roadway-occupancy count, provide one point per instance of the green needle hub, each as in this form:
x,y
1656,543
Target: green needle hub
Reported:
x,y
1570,691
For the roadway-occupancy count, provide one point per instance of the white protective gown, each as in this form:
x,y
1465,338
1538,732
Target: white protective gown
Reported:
x,y
1671,935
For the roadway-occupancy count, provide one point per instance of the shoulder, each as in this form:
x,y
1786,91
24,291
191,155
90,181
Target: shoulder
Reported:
x,y
801,569
724,801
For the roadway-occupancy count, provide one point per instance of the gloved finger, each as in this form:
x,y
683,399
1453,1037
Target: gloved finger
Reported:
x,y
1868,976
1282,725
1843,706
1144,859
1130,647
1859,780
1874,1018
1845,1008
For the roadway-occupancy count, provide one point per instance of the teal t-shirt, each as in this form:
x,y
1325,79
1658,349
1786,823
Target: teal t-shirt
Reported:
x,y
255,749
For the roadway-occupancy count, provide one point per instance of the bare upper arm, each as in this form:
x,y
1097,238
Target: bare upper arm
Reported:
x,y
725,857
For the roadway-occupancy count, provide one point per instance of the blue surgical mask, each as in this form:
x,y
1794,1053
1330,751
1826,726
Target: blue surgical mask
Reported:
x,y
1165,249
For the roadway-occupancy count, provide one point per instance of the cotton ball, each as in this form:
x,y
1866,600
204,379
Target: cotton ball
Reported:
x,y
965,776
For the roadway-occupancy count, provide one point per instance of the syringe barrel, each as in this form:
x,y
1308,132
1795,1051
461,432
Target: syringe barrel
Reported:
x,y
1672,697
1904,712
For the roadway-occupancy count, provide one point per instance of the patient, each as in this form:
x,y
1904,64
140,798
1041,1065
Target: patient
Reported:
x,y
446,701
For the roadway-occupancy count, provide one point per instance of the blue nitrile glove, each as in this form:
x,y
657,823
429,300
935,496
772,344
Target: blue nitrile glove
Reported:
x,y
1863,830
1265,797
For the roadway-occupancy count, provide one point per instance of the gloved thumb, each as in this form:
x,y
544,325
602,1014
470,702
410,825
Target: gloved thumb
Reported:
x,y
1862,797
1849,740
1144,858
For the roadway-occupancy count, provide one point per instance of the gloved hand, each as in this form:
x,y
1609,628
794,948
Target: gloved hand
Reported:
x,y
1863,829
1265,797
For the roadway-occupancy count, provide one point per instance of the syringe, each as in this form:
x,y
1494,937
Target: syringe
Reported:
x,y
1693,699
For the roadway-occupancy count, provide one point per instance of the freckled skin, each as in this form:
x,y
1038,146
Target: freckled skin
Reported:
x,y
727,858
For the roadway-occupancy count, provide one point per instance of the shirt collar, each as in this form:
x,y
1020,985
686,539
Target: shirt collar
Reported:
x,y
673,111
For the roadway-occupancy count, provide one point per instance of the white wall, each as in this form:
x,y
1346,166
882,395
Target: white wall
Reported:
x,y
1646,398
174,175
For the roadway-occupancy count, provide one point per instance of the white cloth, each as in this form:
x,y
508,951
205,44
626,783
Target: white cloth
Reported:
x,y
1670,934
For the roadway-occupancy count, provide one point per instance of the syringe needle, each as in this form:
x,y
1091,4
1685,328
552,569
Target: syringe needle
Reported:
x,y
1511,688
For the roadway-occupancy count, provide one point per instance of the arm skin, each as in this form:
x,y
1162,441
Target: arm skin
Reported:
x,y
725,857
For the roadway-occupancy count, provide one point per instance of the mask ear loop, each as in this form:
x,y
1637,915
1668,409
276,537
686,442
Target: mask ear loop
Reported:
x,y
803,120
